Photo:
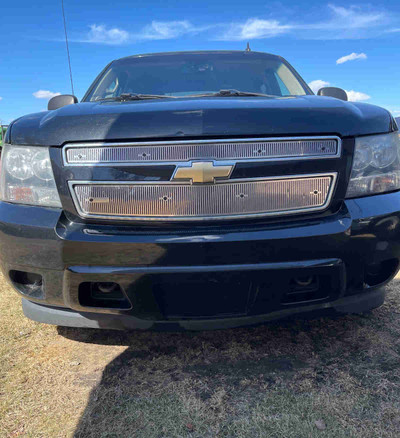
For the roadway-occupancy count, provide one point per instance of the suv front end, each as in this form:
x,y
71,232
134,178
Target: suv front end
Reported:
x,y
200,213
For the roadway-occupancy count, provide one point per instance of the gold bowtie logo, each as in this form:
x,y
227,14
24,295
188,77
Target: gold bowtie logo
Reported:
x,y
202,172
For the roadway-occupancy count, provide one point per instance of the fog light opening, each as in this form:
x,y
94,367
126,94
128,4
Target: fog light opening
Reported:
x,y
378,273
28,283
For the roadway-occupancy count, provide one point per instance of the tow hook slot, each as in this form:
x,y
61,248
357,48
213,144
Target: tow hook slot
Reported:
x,y
304,281
303,289
107,295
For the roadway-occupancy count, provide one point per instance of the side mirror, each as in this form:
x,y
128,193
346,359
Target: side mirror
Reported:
x,y
60,101
338,93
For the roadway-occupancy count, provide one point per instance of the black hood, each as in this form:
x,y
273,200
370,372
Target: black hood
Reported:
x,y
200,117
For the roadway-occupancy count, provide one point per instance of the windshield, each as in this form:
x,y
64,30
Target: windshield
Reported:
x,y
181,75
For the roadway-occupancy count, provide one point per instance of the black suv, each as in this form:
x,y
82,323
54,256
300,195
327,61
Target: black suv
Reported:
x,y
199,190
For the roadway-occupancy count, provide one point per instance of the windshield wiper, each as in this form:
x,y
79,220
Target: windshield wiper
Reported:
x,y
221,93
230,93
133,96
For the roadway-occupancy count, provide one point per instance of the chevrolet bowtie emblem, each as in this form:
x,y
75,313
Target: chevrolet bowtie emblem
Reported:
x,y
202,172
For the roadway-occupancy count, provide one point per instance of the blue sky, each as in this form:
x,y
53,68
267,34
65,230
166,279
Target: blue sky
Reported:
x,y
350,45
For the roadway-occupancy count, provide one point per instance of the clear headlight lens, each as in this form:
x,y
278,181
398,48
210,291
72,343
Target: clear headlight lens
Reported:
x,y
376,165
27,176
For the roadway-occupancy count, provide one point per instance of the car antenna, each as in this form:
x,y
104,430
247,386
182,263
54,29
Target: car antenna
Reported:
x,y
66,43
248,48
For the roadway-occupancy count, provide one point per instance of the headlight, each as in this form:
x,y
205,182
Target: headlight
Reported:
x,y
27,176
376,165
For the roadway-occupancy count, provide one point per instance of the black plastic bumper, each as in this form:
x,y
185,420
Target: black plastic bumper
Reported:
x,y
247,268
70,318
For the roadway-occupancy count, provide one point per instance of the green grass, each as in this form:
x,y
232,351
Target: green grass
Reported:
x,y
276,380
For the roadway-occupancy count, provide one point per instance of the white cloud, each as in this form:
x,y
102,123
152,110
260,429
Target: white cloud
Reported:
x,y
355,18
394,30
45,94
100,34
357,96
352,57
165,30
353,22
254,28
156,30
1,98
317,84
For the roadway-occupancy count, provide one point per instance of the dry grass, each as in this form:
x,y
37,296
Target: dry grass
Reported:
x,y
269,381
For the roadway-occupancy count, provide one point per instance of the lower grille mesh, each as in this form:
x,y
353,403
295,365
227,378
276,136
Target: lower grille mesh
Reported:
x,y
213,201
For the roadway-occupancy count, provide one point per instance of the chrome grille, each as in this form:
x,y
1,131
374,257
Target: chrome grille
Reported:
x,y
172,152
173,201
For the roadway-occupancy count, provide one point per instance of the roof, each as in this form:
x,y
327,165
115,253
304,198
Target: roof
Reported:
x,y
200,52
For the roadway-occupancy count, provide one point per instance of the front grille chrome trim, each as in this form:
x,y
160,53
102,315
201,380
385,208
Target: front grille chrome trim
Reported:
x,y
173,152
174,218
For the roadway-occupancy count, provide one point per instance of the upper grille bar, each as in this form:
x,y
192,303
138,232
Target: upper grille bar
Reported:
x,y
171,152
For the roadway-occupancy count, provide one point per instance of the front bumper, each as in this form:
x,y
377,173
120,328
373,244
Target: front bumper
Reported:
x,y
207,277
